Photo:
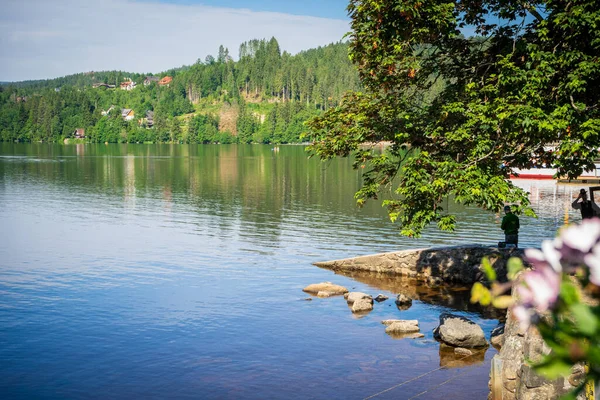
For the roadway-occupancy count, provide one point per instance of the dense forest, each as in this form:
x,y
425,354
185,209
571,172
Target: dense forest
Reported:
x,y
263,97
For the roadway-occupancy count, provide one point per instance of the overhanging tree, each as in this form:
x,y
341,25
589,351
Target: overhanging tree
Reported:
x,y
463,112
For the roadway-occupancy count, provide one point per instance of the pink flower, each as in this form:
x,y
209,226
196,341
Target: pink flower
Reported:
x,y
552,255
548,256
592,260
543,286
582,237
523,315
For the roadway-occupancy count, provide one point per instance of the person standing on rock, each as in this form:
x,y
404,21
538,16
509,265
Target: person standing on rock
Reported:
x,y
588,208
510,226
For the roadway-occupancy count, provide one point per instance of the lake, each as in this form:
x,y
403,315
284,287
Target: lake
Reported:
x,y
175,271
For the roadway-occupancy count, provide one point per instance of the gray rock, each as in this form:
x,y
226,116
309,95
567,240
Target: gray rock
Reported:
x,y
362,305
459,264
381,298
435,280
403,300
530,379
351,297
577,375
325,287
403,327
458,331
497,336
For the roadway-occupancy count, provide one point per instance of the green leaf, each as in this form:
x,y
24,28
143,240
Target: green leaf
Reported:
x,y
502,301
553,368
569,293
489,271
587,322
480,294
514,266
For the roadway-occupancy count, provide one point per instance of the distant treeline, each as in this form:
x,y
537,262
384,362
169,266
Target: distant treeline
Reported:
x,y
267,94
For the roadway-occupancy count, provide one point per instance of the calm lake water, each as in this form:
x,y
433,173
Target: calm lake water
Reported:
x,y
158,271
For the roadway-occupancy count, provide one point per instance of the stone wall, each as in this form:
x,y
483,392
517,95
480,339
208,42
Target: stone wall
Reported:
x,y
511,377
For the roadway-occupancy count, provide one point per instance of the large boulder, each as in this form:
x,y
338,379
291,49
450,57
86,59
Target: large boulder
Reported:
x,y
458,331
351,297
328,287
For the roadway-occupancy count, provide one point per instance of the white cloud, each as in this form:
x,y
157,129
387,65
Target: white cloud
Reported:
x,y
50,38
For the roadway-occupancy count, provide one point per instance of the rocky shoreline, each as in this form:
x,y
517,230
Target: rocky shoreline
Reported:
x,y
510,375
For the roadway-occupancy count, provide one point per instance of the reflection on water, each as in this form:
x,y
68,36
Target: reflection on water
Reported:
x,y
452,296
451,359
138,271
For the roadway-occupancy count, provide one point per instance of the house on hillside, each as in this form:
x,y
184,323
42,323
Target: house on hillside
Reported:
x,y
104,113
127,85
150,79
79,133
127,114
165,81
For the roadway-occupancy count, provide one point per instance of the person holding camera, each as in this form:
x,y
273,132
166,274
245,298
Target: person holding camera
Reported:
x,y
588,207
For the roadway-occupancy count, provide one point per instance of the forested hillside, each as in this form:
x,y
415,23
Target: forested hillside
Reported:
x,y
264,97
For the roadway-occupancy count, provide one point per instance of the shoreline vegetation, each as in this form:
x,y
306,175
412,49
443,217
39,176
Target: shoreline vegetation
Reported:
x,y
264,97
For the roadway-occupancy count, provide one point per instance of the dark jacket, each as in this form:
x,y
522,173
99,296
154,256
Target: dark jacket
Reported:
x,y
510,224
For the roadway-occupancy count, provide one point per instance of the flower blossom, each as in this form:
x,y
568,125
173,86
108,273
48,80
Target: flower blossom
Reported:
x,y
592,260
541,285
576,242
582,237
542,288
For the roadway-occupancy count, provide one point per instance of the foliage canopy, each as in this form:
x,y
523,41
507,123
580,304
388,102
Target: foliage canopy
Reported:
x,y
264,97
462,112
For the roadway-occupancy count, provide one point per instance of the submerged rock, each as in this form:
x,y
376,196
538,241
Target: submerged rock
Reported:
x,y
332,288
351,297
458,331
362,305
463,352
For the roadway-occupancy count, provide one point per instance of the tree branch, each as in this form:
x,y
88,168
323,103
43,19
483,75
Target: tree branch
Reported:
x,y
533,11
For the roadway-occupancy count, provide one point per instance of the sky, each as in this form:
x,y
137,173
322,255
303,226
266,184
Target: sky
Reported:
x,y
41,39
